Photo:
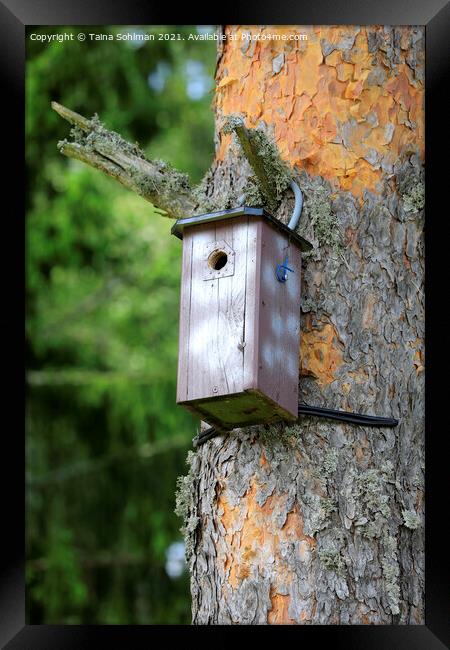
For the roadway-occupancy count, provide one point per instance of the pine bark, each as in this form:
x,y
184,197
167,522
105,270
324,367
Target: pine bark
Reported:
x,y
321,522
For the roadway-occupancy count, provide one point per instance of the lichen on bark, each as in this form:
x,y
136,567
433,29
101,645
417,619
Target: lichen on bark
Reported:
x,y
186,504
308,522
331,559
411,519
318,220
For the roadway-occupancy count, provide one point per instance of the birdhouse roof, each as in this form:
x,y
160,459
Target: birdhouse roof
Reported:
x,y
181,224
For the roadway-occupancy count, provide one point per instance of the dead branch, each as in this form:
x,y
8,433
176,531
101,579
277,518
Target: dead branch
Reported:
x,y
272,174
156,181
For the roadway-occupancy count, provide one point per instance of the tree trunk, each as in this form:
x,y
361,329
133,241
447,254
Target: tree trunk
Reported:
x,y
320,522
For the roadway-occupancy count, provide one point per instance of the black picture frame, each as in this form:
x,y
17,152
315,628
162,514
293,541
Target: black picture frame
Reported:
x,y
15,15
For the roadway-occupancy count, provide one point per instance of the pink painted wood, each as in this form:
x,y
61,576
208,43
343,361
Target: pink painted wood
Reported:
x,y
278,320
239,327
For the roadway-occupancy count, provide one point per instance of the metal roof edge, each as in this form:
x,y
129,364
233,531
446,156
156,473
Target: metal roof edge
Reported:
x,y
180,224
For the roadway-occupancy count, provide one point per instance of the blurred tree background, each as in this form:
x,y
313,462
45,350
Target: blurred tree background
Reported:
x,y
104,439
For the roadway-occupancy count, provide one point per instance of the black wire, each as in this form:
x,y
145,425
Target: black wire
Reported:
x,y
346,416
316,411
205,435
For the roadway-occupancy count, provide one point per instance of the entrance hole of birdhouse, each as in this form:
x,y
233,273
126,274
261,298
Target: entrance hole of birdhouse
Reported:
x,y
217,260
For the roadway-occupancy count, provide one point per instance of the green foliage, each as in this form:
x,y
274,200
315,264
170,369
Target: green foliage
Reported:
x,y
105,441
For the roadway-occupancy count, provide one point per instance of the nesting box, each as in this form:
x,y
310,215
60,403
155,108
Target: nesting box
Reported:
x,y
239,317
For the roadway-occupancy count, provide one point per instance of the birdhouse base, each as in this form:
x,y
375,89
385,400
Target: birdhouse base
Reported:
x,y
239,410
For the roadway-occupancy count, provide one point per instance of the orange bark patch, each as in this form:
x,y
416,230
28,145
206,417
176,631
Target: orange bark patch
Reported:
x,y
320,356
366,177
301,103
279,614
344,71
225,81
307,100
293,527
252,541
228,514
334,59
418,360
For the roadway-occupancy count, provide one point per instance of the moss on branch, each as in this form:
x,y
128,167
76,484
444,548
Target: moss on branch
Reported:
x,y
272,174
156,181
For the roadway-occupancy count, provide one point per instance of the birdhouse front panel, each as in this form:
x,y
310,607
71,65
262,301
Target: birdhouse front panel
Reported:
x,y
239,320
212,357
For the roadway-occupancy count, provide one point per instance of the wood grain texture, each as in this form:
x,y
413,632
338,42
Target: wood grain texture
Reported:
x,y
279,321
239,328
252,301
205,375
230,329
185,318
213,332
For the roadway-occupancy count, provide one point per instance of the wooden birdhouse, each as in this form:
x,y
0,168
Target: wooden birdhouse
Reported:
x,y
239,317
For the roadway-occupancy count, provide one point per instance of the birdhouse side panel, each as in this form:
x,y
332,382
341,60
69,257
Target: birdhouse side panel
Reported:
x,y
279,320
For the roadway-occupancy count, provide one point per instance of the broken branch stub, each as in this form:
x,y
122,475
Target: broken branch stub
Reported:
x,y
156,181
272,174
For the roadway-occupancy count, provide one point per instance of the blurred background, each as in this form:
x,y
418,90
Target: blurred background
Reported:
x,y
105,441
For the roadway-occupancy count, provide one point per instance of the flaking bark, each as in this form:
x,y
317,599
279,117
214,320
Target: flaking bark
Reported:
x,y
321,522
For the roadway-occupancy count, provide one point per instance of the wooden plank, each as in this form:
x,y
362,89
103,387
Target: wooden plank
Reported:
x,y
290,313
252,304
279,321
231,305
217,314
203,379
184,324
270,325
